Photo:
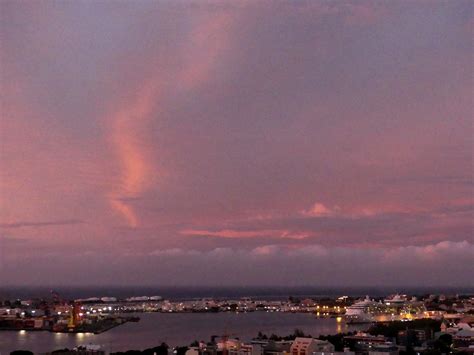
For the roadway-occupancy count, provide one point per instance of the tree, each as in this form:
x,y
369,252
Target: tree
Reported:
x,y
162,349
337,340
275,337
443,343
181,350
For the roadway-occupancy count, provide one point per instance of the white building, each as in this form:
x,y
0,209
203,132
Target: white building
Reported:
x,y
236,347
309,346
194,350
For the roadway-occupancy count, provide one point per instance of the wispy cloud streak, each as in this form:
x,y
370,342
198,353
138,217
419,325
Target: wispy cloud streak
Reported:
x,y
40,224
128,136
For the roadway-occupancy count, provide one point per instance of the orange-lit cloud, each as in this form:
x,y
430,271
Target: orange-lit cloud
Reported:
x,y
128,139
229,233
318,210
205,43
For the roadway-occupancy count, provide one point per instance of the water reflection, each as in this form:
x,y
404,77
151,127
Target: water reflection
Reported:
x,y
176,329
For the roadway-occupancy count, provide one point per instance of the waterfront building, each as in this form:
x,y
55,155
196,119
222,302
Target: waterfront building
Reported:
x,y
236,347
271,347
361,342
308,346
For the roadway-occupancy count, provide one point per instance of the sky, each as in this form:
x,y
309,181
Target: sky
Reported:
x,y
236,143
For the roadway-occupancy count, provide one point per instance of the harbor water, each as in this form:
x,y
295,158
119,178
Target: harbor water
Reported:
x,y
176,329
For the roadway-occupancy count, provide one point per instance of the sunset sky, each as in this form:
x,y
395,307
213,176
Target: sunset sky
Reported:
x,y
317,143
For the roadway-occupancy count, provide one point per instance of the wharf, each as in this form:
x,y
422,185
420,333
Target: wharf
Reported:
x,y
95,328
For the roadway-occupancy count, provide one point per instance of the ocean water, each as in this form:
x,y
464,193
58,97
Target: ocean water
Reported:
x,y
176,329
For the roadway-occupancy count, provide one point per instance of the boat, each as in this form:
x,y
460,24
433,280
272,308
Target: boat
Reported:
x,y
392,309
364,311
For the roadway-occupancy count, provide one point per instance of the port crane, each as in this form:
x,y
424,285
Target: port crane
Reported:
x,y
75,310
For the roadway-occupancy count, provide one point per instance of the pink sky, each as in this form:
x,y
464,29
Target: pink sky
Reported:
x,y
205,142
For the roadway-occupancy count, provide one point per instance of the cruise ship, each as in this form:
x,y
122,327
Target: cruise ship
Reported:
x,y
391,309
364,311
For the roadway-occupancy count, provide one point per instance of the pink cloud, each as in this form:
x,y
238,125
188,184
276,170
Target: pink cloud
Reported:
x,y
128,127
229,233
318,210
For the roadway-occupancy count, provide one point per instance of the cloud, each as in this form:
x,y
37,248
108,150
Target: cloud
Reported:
x,y
177,252
265,250
318,210
176,126
268,265
40,224
128,140
129,125
206,45
370,227
229,233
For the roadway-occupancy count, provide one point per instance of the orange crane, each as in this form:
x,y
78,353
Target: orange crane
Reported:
x,y
75,310
75,316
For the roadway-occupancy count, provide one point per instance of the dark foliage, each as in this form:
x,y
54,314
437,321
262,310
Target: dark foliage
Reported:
x,y
181,350
159,350
296,333
391,329
337,340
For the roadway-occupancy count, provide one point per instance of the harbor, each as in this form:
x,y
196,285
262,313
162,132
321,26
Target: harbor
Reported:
x,y
45,324
100,314
175,329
